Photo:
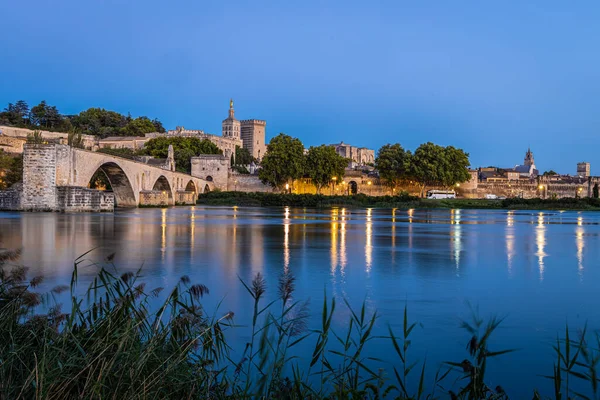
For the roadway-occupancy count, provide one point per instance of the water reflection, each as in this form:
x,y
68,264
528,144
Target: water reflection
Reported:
x,y
286,240
579,241
510,240
456,236
540,241
369,238
343,260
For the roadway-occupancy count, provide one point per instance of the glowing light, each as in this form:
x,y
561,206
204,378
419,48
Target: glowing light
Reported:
x,y
456,236
579,220
458,185
333,248
541,187
369,182
368,244
540,240
163,226
411,212
579,241
510,219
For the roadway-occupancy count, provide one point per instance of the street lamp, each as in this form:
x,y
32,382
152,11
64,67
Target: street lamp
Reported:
x,y
287,187
235,189
334,179
369,185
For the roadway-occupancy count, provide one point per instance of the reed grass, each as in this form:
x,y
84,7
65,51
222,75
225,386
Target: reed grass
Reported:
x,y
114,342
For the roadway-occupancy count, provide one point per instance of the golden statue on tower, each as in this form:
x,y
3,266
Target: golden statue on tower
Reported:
x,y
230,103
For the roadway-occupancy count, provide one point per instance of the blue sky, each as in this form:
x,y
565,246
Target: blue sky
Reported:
x,y
490,77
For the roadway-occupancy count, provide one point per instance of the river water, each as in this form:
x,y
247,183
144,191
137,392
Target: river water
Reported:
x,y
539,269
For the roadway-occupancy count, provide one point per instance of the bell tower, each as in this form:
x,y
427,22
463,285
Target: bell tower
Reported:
x,y
231,126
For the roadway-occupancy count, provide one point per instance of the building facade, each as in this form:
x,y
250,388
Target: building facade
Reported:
x,y
253,136
250,131
583,169
358,155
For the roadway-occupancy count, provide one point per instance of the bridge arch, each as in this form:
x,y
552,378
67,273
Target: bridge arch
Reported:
x,y
206,188
191,187
162,184
119,182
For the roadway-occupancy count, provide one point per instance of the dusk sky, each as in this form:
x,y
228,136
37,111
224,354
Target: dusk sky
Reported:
x,y
492,79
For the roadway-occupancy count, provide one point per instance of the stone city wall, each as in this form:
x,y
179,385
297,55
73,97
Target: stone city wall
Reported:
x,y
246,183
78,199
154,198
543,188
11,144
89,141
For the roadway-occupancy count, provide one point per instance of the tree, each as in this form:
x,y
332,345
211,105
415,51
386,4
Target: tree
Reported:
x,y
35,137
323,164
11,170
393,163
75,140
158,126
183,147
242,156
17,114
432,164
549,173
283,161
595,190
37,115
456,166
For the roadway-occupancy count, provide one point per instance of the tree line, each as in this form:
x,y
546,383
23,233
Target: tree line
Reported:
x,y
430,164
93,121
285,161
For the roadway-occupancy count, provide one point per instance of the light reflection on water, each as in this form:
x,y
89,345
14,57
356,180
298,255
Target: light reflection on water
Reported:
x,y
522,264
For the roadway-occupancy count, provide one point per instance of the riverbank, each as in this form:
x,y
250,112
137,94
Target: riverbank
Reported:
x,y
404,202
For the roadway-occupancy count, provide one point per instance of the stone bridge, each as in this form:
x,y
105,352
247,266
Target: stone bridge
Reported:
x,y
55,175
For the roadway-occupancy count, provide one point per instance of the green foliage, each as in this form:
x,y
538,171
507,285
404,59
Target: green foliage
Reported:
x,y
393,163
549,173
432,164
35,137
283,161
323,164
242,156
101,122
75,140
595,191
183,147
11,169
113,343
16,114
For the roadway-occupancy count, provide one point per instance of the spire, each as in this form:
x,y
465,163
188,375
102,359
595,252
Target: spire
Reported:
x,y
231,111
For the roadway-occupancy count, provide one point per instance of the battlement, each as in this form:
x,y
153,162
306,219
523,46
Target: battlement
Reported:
x,y
254,121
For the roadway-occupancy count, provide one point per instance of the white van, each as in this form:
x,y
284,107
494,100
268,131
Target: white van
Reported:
x,y
491,196
441,194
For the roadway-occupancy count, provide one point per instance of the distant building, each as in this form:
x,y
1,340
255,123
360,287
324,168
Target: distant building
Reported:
x,y
250,131
583,169
527,169
357,155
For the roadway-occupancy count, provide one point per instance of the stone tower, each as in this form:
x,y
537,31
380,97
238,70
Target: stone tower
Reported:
x,y
171,158
528,158
253,136
583,169
231,126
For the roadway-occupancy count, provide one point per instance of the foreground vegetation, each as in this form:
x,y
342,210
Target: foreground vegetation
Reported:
x,y
116,342
257,199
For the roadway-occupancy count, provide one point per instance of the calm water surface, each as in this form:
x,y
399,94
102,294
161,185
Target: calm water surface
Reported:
x,y
538,268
